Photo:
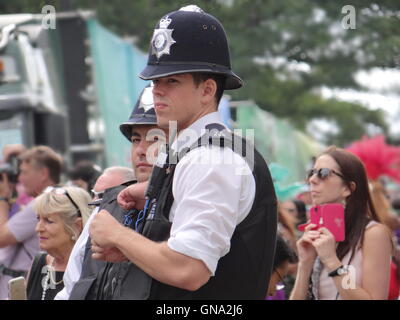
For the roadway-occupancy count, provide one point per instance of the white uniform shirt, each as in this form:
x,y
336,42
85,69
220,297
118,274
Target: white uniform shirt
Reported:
x,y
209,201
213,191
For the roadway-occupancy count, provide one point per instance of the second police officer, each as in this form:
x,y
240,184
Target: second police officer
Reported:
x,y
84,277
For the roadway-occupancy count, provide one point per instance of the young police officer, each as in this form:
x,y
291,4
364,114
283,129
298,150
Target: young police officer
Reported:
x,y
210,226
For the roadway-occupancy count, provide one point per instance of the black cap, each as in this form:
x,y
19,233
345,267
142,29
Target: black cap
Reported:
x,y
189,40
143,113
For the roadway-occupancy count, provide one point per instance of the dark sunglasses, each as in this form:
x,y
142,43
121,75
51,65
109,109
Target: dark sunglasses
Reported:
x,y
323,173
61,191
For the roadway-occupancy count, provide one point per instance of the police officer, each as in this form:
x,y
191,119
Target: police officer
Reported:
x,y
87,279
210,226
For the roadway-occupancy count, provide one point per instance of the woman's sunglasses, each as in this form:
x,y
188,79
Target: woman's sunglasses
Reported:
x,y
323,173
61,191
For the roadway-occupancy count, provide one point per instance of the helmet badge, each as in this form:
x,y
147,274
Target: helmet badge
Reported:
x,y
146,100
162,38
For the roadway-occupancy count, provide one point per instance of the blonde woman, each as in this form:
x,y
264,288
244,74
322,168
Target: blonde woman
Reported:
x,y
61,213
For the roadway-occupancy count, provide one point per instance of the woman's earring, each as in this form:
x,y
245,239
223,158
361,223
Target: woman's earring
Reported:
x,y
73,238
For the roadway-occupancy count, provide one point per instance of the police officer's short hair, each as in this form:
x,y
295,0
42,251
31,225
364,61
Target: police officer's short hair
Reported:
x,y
199,77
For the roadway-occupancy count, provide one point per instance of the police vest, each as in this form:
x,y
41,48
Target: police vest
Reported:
x,y
87,287
244,272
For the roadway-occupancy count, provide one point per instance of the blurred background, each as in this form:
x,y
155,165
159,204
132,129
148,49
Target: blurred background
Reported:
x,y
316,73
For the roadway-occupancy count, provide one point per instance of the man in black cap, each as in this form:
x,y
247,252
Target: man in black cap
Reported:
x,y
83,278
210,211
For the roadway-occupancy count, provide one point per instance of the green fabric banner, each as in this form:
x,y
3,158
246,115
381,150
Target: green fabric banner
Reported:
x,y
279,143
116,65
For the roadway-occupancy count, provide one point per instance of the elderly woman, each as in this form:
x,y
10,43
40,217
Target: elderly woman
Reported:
x,y
61,213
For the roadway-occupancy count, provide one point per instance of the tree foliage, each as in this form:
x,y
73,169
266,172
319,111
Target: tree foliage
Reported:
x,y
285,51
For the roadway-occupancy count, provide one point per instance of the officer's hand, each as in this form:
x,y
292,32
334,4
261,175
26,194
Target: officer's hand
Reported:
x,y
109,254
133,196
103,229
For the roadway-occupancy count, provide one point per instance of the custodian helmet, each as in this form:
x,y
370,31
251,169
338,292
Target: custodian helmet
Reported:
x,y
189,40
143,113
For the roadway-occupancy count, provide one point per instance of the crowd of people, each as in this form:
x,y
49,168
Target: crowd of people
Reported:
x,y
203,220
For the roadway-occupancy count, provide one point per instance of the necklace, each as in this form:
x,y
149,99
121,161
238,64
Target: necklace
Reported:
x,y
49,280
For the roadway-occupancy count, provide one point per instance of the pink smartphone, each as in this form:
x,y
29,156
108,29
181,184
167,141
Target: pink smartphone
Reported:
x,y
330,216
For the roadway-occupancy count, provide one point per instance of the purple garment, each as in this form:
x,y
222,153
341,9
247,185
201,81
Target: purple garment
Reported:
x,y
279,295
14,209
19,256
398,236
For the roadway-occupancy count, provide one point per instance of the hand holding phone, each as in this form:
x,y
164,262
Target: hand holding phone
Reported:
x,y
330,216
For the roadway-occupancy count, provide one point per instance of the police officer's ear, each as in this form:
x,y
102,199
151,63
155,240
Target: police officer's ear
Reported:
x,y
209,89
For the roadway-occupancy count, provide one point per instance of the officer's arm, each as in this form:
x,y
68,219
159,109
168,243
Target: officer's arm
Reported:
x,y
162,263
133,196
154,258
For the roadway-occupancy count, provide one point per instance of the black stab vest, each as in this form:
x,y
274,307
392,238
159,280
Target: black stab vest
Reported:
x,y
245,271
93,271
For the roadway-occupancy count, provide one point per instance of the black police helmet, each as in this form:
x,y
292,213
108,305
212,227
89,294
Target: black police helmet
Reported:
x,y
189,40
143,113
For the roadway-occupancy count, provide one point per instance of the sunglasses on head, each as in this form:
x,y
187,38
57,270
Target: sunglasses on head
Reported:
x,y
61,191
97,194
323,173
